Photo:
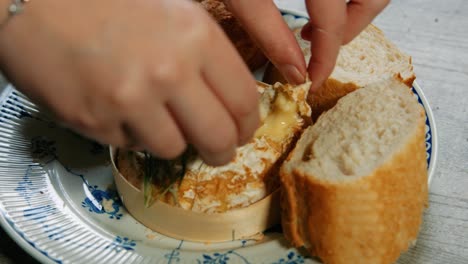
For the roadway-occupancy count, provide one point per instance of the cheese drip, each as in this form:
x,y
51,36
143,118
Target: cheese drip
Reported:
x,y
281,120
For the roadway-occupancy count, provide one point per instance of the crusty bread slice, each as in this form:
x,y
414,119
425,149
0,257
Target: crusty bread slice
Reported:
x,y
370,57
355,186
253,174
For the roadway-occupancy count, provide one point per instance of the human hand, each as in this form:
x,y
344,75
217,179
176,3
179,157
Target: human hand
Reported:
x,y
332,23
155,75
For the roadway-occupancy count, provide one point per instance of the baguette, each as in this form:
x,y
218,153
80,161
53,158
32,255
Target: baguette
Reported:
x,y
370,57
355,186
253,174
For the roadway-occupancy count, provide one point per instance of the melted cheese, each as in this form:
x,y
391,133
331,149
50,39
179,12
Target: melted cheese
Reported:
x,y
281,120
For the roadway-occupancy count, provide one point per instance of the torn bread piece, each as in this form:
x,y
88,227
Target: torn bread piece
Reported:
x,y
368,58
355,186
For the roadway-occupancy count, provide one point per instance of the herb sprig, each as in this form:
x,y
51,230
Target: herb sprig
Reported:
x,y
160,175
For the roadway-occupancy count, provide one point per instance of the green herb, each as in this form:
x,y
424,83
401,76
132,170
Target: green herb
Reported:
x,y
160,175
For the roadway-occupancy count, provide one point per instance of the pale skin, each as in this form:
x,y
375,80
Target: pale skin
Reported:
x,y
146,75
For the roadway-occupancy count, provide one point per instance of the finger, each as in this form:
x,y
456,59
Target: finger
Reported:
x,y
233,85
325,31
359,14
153,128
132,141
96,122
263,22
204,121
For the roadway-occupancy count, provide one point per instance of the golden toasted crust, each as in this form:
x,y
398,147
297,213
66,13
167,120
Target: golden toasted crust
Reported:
x,y
328,95
251,54
407,81
332,90
369,220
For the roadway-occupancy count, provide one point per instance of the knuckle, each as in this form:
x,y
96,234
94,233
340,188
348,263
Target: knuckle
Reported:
x,y
125,96
166,73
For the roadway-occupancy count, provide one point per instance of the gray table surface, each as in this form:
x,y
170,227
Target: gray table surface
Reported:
x,y
435,34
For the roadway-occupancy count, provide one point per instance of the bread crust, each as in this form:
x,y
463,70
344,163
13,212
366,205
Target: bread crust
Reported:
x,y
369,220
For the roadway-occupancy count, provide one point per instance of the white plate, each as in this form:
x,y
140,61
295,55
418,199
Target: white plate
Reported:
x,y
58,201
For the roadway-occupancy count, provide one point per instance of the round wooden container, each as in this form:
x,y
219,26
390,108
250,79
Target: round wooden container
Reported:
x,y
179,223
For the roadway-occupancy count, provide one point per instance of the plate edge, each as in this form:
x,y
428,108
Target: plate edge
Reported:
x,y
434,136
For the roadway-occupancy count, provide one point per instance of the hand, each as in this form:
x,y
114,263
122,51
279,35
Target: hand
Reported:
x,y
332,23
153,74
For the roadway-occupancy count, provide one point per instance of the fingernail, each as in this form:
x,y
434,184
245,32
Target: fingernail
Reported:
x,y
292,74
218,159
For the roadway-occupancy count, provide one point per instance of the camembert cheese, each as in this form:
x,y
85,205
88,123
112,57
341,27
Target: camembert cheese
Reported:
x,y
253,174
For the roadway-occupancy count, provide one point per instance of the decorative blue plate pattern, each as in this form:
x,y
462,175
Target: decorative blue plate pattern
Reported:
x,y
58,200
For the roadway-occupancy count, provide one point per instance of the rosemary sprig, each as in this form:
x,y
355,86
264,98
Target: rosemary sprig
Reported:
x,y
160,175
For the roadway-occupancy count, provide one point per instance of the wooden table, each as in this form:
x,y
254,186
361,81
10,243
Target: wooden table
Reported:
x,y
435,34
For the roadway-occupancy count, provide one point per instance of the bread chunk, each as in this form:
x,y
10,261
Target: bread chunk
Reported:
x,y
355,186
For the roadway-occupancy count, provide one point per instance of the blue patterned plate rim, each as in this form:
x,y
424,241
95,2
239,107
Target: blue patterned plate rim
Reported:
x,y
432,131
